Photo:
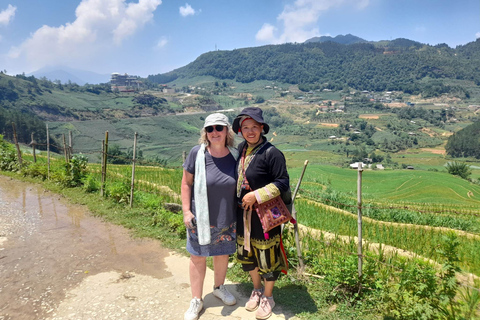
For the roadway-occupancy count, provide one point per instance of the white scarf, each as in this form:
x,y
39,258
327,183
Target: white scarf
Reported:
x,y
201,198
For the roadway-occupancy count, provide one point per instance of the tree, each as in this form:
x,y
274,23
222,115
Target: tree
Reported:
x,y
259,99
116,156
459,169
465,143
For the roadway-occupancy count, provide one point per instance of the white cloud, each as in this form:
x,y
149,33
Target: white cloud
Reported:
x,y
162,42
99,25
187,10
300,18
266,33
477,35
7,15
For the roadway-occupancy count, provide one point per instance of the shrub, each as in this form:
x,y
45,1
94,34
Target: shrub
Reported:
x,y
413,295
147,200
90,184
35,170
459,169
173,221
119,191
8,156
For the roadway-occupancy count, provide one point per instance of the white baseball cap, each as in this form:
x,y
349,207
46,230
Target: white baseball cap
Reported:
x,y
216,118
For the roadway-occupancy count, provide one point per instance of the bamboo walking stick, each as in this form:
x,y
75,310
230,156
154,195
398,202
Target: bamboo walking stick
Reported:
x,y
294,214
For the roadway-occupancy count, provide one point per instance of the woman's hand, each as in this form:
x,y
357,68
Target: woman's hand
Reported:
x,y
188,219
249,200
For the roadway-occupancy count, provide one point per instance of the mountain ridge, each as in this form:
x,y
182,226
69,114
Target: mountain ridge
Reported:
x,y
343,39
396,65
66,74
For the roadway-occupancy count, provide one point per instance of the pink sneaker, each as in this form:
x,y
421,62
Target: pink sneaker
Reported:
x,y
254,301
265,308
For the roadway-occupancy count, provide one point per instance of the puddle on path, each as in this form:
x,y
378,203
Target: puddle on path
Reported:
x,y
47,247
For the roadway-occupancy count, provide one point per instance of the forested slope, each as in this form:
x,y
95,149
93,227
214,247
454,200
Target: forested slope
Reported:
x,y
400,64
466,142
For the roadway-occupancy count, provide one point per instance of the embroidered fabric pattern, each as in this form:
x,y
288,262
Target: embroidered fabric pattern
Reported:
x,y
245,161
272,257
266,193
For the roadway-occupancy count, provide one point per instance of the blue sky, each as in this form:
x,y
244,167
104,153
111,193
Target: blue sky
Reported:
x,y
143,37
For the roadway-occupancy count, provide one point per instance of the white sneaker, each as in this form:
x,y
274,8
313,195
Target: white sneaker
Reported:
x,y
196,305
223,294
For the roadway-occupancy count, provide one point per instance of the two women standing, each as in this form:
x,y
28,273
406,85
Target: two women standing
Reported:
x,y
225,192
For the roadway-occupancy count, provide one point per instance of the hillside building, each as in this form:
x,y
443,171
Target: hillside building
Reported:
x,y
125,82
168,90
356,164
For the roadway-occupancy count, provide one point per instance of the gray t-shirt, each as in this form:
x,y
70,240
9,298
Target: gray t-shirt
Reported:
x,y
221,186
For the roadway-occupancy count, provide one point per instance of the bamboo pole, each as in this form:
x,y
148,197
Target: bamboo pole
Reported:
x,y
106,155
299,181
133,169
65,151
294,215
33,149
70,149
104,163
359,221
48,154
15,139
102,184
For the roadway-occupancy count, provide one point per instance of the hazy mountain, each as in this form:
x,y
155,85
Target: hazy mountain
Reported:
x,y
343,39
66,74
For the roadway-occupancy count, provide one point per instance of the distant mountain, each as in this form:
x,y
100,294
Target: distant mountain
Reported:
x,y
343,39
66,74
397,65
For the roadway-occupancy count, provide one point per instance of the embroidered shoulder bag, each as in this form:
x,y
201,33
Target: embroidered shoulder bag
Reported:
x,y
273,213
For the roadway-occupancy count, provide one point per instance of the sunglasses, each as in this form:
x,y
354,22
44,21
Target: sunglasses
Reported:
x,y
218,128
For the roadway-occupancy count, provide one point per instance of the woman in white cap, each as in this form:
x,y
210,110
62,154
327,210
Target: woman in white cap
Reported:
x,y
209,208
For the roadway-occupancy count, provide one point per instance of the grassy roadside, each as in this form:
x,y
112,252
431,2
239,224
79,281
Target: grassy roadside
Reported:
x,y
307,298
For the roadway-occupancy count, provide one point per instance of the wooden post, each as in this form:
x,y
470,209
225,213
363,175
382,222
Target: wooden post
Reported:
x,y
15,139
184,156
48,154
106,154
70,149
133,169
33,150
359,211
65,151
102,184
294,215
104,164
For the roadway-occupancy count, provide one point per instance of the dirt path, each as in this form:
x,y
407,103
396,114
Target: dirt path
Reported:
x,y
57,262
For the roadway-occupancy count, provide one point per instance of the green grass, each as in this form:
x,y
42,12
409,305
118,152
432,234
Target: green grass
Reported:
x,y
86,101
418,240
398,186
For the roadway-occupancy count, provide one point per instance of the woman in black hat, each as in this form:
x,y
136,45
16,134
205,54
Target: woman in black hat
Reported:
x,y
262,175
